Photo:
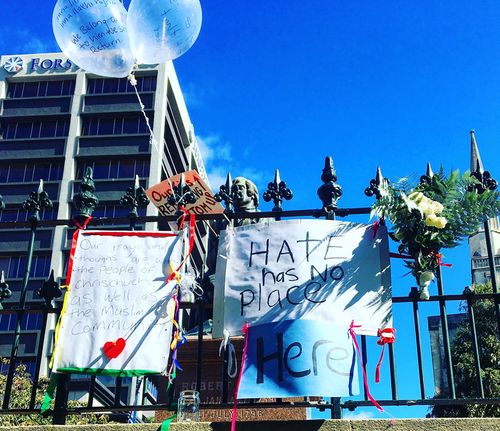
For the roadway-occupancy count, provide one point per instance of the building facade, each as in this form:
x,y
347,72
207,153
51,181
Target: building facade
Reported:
x,y
480,269
55,121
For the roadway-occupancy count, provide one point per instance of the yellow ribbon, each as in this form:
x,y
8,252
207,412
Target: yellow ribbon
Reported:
x,y
58,326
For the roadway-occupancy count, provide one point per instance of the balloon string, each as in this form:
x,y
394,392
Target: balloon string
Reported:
x,y
133,83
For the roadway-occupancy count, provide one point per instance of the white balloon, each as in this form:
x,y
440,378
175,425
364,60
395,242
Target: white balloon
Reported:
x,y
93,34
161,30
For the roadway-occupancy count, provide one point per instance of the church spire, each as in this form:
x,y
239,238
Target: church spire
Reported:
x,y
476,165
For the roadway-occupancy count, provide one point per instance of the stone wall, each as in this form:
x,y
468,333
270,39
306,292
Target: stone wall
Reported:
x,y
313,425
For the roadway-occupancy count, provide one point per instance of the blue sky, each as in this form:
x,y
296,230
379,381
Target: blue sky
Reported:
x,y
283,83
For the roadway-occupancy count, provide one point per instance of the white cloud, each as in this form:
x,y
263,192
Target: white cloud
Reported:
x,y
205,146
193,96
27,42
213,149
219,160
217,178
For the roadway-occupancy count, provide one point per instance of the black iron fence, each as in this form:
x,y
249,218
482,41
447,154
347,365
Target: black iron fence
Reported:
x,y
108,396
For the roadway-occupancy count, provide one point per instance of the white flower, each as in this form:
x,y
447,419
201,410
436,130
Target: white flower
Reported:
x,y
427,207
425,278
410,204
438,207
416,196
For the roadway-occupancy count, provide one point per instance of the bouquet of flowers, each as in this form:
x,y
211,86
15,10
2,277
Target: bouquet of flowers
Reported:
x,y
435,214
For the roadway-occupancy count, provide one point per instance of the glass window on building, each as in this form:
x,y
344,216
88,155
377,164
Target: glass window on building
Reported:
x,y
17,90
23,130
117,125
110,169
106,126
15,266
31,321
8,322
54,88
130,125
110,86
30,89
120,85
20,214
16,173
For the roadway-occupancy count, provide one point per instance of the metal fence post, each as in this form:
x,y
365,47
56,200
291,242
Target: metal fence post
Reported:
x,y
36,202
85,203
329,193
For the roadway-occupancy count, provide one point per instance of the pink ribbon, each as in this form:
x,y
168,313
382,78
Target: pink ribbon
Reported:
x,y
243,357
352,333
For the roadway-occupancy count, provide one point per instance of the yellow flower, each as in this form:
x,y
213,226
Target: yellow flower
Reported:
x,y
434,221
430,220
440,222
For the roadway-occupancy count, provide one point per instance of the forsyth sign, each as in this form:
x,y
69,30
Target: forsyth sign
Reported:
x,y
55,64
15,64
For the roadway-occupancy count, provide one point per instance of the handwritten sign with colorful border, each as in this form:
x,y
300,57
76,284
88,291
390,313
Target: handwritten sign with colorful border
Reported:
x,y
118,309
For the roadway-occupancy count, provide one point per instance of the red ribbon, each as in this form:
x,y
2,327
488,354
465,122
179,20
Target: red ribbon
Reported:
x,y
74,240
387,336
352,332
439,258
376,225
245,328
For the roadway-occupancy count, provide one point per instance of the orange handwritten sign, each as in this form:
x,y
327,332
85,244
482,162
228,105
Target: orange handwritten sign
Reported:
x,y
205,204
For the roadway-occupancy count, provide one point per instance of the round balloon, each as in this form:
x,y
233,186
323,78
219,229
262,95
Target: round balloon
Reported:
x,y
93,34
161,30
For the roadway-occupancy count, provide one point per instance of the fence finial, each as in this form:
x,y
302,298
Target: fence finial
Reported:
x,y
375,183
429,175
134,198
225,194
36,202
50,290
277,191
86,201
484,178
329,192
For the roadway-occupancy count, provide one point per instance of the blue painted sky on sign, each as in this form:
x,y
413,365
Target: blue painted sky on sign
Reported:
x,y
281,84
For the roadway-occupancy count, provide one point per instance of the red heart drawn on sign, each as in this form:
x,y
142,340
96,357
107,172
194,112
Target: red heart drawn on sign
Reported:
x,y
113,348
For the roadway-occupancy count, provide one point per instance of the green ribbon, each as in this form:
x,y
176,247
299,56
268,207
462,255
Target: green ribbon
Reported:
x,y
49,393
165,425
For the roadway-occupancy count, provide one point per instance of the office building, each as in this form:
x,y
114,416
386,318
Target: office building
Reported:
x,y
55,121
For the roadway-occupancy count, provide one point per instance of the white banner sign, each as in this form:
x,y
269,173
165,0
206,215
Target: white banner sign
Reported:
x,y
323,270
116,317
